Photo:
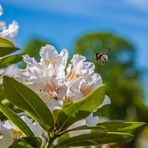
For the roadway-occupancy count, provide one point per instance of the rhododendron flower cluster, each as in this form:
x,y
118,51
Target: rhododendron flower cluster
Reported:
x,y
57,82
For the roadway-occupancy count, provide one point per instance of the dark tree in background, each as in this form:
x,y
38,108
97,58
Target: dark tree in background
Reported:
x,y
120,73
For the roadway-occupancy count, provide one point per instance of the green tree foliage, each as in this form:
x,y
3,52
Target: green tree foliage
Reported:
x,y
120,73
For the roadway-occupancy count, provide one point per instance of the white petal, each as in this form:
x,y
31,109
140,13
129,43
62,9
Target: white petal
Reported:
x,y
77,124
6,141
64,55
35,127
3,129
77,59
55,105
48,52
31,62
76,64
73,91
91,120
9,125
106,101
51,58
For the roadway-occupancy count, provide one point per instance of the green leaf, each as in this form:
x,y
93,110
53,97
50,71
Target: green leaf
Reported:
x,y
7,50
23,97
5,62
80,109
84,127
6,47
120,126
17,121
110,126
96,138
27,142
6,43
2,94
62,138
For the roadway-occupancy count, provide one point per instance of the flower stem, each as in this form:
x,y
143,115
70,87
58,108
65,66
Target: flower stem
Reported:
x,y
49,144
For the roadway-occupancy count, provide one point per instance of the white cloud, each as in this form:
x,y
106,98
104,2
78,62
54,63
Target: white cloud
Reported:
x,y
116,11
69,6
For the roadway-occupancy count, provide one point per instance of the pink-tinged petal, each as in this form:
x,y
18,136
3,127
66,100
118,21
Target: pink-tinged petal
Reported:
x,y
53,81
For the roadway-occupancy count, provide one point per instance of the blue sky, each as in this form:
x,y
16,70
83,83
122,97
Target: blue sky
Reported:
x,y
62,21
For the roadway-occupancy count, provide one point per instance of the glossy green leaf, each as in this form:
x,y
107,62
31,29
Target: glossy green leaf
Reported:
x,y
6,43
96,138
27,142
80,128
29,102
62,138
6,47
110,126
7,50
80,109
16,120
5,62
120,126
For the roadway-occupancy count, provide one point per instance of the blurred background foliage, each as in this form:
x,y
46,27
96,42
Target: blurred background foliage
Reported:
x,y
120,73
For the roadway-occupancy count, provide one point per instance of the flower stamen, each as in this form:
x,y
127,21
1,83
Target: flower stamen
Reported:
x,y
51,62
73,75
16,133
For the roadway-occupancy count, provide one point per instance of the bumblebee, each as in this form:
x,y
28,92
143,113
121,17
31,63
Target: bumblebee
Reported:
x,y
102,57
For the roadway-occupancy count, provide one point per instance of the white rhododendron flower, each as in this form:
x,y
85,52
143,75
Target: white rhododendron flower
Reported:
x,y
9,132
59,84
10,31
54,81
